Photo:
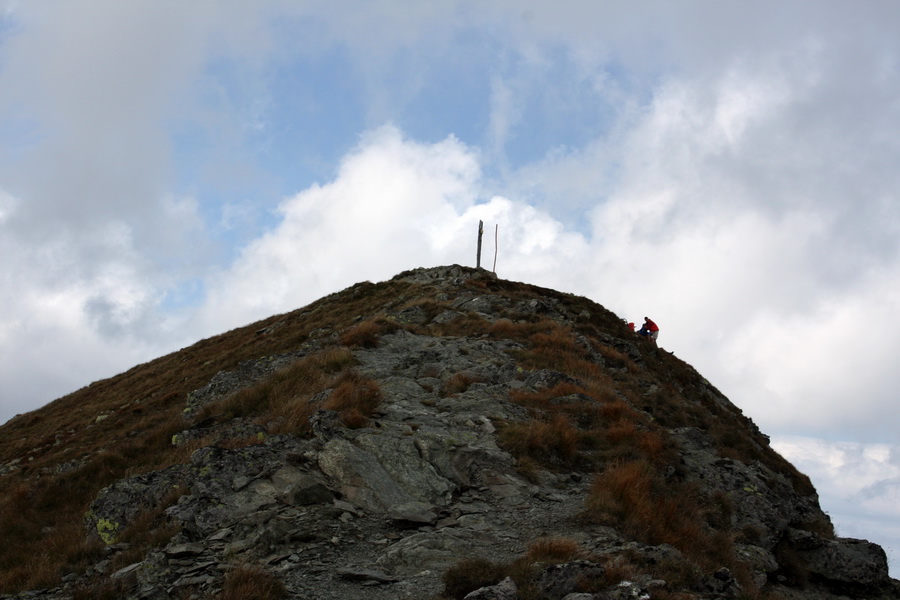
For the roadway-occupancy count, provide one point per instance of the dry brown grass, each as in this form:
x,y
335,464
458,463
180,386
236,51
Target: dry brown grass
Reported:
x,y
43,567
367,333
503,329
572,428
553,443
285,402
555,339
550,345
628,440
355,398
458,383
634,498
617,359
467,324
252,583
470,574
298,380
101,590
588,405
631,495
542,398
618,568
554,549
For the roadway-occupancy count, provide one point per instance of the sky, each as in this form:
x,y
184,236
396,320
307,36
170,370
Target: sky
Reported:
x,y
173,170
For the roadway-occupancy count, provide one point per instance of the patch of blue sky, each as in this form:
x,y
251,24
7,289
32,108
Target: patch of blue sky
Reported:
x,y
19,132
317,114
8,26
185,294
19,129
563,111
298,119
451,96
562,107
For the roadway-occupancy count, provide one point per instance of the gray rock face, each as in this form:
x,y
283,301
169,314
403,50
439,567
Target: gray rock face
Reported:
x,y
382,511
119,504
848,564
762,499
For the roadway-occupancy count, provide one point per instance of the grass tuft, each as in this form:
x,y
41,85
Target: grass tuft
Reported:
x,y
470,574
458,383
367,333
355,398
252,583
553,443
554,550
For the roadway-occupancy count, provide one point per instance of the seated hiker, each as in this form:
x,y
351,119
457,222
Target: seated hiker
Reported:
x,y
649,329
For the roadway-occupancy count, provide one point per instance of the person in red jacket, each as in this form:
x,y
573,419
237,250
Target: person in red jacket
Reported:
x,y
649,329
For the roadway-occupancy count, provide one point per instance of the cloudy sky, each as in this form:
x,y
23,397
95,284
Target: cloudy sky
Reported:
x,y
172,170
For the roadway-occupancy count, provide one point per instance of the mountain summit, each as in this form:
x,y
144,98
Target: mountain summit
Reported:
x,y
444,434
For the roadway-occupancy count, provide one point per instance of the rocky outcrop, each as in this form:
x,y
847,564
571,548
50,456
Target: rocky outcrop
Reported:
x,y
389,509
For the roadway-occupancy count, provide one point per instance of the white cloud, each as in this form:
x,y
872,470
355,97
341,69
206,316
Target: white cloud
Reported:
x,y
827,368
7,205
394,204
847,468
64,330
384,212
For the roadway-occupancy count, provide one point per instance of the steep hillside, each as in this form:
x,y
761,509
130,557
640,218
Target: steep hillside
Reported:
x,y
444,434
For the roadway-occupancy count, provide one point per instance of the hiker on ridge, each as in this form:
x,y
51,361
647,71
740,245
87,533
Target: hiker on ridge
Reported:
x,y
649,329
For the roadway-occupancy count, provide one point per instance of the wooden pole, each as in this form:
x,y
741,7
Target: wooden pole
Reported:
x,y
494,270
480,232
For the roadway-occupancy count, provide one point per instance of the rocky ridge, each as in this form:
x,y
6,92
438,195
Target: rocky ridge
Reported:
x,y
430,488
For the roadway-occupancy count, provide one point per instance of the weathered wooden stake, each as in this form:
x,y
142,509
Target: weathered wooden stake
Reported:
x,y
480,232
496,227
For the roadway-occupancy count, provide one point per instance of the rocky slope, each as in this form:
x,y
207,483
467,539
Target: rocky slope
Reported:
x,y
449,434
